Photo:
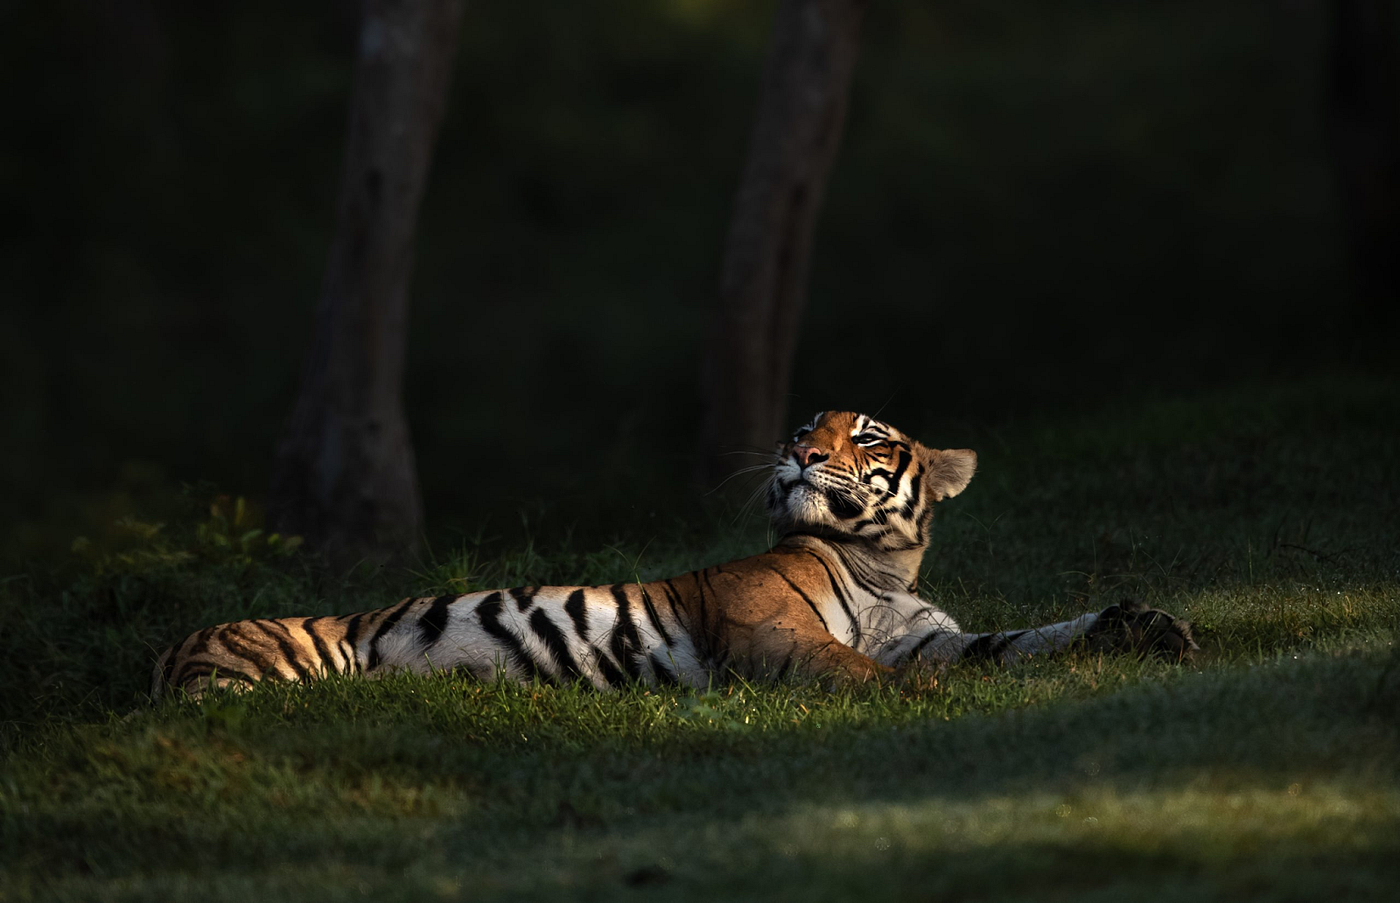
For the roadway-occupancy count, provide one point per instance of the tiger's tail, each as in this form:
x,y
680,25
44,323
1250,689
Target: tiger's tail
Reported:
x,y
242,653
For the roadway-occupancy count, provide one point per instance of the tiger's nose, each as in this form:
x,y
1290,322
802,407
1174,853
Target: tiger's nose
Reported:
x,y
806,455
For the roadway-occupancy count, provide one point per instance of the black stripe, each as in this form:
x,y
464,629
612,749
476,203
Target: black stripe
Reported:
x,y
284,644
206,669
840,596
385,626
840,504
915,482
488,612
870,588
352,661
434,620
702,630
624,639
903,465
328,663
243,648
523,596
869,476
614,677
704,634
352,638
673,599
201,641
554,641
1009,638
575,607
287,643
985,647
857,570
224,657
179,658
651,615
805,598
928,638
226,671
664,675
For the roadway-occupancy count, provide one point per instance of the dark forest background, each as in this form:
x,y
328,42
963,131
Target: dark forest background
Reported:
x,y
1036,208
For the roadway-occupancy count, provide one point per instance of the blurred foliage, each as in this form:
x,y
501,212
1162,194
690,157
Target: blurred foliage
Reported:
x,y
227,536
1035,206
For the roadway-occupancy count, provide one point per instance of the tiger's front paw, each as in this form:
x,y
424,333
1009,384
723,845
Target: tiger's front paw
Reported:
x,y
1131,626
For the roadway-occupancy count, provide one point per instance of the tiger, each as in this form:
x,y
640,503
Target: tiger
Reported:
x,y
835,599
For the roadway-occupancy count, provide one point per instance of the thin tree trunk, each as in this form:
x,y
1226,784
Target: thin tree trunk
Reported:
x,y
1365,124
763,283
345,476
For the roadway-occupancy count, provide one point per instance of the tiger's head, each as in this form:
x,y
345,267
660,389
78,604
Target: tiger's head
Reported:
x,y
849,474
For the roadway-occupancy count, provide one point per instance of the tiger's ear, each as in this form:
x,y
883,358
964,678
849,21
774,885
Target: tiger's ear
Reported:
x,y
948,471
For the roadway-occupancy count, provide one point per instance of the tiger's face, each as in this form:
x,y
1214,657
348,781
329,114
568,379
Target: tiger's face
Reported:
x,y
851,474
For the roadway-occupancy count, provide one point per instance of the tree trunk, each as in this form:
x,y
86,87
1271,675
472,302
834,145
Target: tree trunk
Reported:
x,y
763,282
1365,125
345,476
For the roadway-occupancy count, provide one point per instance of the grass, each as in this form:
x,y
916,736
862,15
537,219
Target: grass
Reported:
x,y
1267,769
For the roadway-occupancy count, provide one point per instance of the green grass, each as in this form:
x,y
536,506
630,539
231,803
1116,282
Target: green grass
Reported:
x,y
1269,768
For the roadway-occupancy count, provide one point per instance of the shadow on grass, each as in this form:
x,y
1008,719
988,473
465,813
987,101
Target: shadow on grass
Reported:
x,y
163,794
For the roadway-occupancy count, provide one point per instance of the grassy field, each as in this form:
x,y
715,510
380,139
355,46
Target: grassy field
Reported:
x,y
1269,768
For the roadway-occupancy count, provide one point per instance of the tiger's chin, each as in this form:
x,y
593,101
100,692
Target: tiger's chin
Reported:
x,y
805,505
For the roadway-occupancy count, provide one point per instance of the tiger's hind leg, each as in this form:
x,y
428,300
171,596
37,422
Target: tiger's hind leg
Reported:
x,y
1128,627
196,685
837,664
195,681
